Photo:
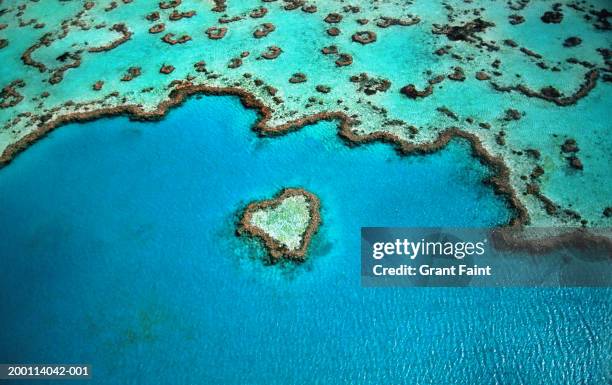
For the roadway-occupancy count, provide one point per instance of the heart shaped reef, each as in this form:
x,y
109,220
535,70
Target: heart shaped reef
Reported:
x,y
285,223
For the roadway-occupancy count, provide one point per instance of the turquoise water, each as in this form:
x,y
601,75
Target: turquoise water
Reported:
x,y
118,250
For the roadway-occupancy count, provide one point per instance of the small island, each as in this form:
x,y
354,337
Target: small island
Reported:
x,y
285,223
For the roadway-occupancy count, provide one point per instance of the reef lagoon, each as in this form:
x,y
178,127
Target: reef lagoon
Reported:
x,y
119,250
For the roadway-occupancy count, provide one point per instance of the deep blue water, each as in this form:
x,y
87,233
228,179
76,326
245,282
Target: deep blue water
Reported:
x,y
117,249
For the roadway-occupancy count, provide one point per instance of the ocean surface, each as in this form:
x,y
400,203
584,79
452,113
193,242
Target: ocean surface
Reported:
x,y
117,249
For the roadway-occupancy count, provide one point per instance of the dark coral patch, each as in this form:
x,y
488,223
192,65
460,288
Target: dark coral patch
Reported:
x,y
552,17
200,66
293,4
258,12
516,19
176,15
235,63
569,146
572,41
411,91
332,49
481,75
550,92
169,39
333,31
364,37
219,6
512,114
370,85
216,33
166,69
333,18
97,86
132,72
309,8
227,20
297,78
465,32
169,4
386,22
344,59
272,53
157,28
9,96
264,30
153,16
457,75
323,88
575,163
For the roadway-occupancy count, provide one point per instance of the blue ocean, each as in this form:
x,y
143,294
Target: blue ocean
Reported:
x,y
118,250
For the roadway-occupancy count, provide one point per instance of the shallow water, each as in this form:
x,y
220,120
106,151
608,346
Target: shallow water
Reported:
x,y
118,250
401,55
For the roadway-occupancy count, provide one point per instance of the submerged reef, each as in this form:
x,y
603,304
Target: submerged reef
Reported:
x,y
285,223
412,74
